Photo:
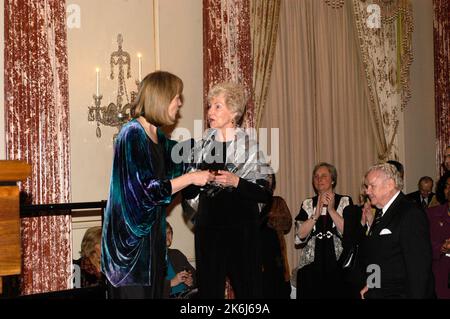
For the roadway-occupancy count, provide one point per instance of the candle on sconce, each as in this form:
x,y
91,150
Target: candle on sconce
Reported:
x,y
97,71
140,67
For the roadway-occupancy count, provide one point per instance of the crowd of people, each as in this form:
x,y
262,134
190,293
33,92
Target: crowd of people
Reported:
x,y
240,226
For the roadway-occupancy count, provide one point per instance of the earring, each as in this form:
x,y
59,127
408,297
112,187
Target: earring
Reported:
x,y
232,122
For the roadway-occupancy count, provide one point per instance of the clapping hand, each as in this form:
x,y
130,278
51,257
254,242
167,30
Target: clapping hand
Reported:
x,y
327,200
367,215
320,205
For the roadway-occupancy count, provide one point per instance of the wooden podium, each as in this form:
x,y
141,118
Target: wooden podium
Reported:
x,y
10,253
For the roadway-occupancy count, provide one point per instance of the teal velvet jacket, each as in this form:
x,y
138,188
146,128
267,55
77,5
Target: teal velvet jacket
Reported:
x,y
137,200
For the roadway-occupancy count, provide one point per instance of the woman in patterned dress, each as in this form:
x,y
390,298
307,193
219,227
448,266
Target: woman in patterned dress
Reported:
x,y
319,228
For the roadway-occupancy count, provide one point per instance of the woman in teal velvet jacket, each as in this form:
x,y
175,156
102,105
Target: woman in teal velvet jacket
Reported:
x,y
142,183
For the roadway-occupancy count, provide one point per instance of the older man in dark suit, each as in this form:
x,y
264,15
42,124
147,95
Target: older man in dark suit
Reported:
x,y
397,248
425,194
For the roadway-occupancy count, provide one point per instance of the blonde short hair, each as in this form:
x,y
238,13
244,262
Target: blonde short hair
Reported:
x,y
390,172
91,237
234,95
156,91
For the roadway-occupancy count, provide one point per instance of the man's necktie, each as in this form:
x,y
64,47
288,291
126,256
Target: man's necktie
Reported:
x,y
424,203
376,219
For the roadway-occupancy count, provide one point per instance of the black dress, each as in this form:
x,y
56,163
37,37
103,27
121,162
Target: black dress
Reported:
x,y
227,235
323,278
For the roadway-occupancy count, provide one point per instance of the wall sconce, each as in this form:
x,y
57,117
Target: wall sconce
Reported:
x,y
115,114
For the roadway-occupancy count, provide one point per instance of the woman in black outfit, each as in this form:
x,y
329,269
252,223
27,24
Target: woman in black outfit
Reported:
x,y
227,234
319,234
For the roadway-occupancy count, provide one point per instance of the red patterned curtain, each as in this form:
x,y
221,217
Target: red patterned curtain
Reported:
x,y
442,77
37,130
227,48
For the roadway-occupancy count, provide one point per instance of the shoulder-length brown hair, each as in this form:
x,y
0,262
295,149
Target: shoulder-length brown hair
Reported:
x,y
156,91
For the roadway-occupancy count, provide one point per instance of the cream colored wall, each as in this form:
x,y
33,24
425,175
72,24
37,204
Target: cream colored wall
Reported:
x,y
181,51
90,46
419,117
2,83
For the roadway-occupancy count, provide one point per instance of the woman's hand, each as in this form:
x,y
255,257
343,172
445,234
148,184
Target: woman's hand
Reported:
x,y
225,178
319,207
179,278
367,215
189,280
200,178
328,201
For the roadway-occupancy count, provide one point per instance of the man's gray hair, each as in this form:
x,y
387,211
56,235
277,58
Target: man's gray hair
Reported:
x,y
390,172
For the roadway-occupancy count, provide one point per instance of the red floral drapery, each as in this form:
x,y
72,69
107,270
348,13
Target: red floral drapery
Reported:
x,y
442,76
37,130
227,48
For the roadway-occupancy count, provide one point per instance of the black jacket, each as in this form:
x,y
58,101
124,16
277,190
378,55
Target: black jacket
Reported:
x,y
415,196
403,253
